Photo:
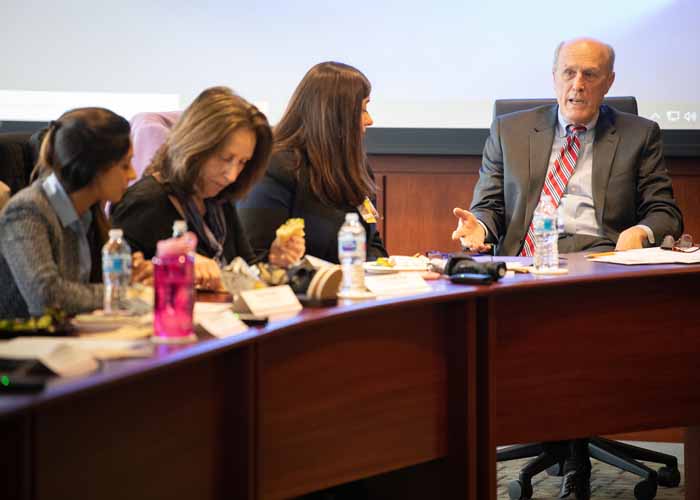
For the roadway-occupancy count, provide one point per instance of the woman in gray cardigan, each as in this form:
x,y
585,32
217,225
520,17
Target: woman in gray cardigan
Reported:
x,y
51,232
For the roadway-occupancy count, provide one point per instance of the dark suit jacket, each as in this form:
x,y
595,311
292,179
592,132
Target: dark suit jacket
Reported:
x,y
283,194
630,182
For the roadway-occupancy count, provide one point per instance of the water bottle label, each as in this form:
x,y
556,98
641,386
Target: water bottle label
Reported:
x,y
115,264
348,245
548,224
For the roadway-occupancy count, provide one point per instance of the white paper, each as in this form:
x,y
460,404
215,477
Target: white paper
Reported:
x,y
210,307
654,255
402,263
272,301
68,361
396,284
222,323
72,356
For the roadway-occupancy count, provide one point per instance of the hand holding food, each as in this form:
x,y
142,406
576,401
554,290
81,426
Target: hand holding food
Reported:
x,y
289,245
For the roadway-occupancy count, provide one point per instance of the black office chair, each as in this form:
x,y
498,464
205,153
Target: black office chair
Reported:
x,y
551,456
17,158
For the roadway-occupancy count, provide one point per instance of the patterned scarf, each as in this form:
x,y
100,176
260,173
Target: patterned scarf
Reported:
x,y
211,229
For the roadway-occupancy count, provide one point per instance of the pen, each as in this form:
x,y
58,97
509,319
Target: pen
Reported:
x,y
599,254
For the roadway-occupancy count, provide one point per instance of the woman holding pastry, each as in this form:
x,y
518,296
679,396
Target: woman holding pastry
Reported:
x,y
318,171
216,151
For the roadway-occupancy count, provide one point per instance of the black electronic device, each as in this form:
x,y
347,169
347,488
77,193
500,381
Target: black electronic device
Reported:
x,y
10,383
472,279
252,319
461,263
22,375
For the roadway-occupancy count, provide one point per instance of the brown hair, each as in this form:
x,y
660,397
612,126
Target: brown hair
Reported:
x,y
323,125
201,131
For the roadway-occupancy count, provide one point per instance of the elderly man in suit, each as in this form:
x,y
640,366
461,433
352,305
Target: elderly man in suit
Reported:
x,y
604,168
619,195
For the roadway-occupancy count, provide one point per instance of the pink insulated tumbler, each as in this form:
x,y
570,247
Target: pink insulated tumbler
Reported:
x,y
173,276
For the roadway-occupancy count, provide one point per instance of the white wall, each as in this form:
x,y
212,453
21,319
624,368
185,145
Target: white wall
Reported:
x,y
435,64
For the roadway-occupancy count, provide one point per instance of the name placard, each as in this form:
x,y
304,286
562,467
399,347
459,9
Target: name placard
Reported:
x,y
272,301
221,324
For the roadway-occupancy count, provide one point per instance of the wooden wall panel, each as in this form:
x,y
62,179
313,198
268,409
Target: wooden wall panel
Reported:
x,y
685,173
418,198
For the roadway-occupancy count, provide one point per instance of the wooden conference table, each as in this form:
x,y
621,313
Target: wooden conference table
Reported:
x,y
351,391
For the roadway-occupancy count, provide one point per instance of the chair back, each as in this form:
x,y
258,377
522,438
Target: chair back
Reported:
x,y
17,158
626,104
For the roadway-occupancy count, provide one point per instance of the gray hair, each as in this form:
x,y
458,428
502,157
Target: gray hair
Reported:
x,y
611,54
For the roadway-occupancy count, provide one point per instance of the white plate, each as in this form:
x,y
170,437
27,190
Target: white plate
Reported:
x,y
374,268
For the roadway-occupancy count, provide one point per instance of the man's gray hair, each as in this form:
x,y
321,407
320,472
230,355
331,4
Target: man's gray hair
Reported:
x,y
611,55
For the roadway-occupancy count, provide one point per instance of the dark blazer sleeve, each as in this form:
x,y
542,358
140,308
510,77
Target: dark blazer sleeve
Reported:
x,y
146,215
488,203
267,207
656,208
375,247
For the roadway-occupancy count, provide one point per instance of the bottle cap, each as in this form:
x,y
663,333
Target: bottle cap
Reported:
x,y
177,246
179,227
115,234
352,217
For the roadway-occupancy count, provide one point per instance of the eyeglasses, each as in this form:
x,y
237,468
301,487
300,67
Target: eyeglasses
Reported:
x,y
684,244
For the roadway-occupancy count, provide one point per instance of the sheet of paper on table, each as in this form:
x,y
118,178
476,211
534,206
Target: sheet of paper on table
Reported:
x,y
404,283
654,255
68,356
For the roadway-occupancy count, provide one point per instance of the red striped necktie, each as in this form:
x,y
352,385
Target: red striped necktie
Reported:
x,y
558,177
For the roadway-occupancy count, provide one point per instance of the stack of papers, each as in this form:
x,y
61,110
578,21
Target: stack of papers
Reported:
x,y
654,255
72,356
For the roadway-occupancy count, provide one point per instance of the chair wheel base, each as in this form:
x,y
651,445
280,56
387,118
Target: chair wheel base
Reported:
x,y
668,477
645,490
519,490
556,470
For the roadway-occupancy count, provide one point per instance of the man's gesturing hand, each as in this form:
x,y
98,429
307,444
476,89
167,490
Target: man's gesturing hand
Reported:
x,y
469,231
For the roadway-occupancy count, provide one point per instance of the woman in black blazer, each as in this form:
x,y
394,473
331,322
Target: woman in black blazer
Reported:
x,y
216,151
319,169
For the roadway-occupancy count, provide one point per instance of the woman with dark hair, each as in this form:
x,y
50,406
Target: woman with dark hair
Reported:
x,y
216,151
319,169
51,232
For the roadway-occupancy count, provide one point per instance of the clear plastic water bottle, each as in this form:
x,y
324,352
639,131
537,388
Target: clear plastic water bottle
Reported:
x,y
116,272
352,253
546,228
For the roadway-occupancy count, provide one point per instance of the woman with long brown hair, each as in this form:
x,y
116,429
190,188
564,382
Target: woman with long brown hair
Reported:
x,y
319,169
51,232
214,154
